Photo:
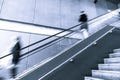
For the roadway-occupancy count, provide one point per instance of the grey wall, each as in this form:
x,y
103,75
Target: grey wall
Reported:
x,y
58,13
101,7
47,12
119,5
22,10
111,6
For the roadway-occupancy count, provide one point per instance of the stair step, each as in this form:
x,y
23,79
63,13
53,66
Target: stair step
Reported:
x,y
113,55
113,67
112,60
112,75
92,78
116,50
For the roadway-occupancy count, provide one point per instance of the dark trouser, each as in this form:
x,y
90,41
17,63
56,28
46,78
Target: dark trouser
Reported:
x,y
1,78
84,26
13,72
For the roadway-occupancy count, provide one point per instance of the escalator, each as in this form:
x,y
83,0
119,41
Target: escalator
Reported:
x,y
77,61
75,58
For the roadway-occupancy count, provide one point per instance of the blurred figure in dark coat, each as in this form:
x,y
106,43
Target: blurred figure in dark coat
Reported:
x,y
15,50
84,27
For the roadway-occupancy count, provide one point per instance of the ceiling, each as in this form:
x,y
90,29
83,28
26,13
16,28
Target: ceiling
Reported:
x,y
114,1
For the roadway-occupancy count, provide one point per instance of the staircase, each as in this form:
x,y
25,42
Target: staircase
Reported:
x,y
110,70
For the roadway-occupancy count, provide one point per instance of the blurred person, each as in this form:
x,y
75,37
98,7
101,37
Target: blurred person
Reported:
x,y
119,14
84,27
2,78
95,1
10,62
15,50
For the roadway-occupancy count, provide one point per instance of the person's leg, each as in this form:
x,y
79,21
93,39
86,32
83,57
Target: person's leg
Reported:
x,y
84,33
1,78
13,72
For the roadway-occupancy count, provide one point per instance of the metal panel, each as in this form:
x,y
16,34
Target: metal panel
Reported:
x,y
70,11
47,12
1,4
101,9
19,10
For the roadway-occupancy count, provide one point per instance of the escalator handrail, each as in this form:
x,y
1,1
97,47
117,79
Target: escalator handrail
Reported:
x,y
62,31
41,46
49,26
28,23
50,36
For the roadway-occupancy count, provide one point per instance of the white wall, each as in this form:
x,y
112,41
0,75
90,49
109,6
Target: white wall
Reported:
x,y
20,10
59,13
47,12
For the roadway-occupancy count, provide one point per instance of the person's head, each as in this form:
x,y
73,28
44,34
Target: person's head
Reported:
x,y
15,38
82,11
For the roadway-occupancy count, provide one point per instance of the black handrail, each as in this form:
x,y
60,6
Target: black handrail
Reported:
x,y
41,45
46,44
59,32
51,36
27,23
46,26
42,40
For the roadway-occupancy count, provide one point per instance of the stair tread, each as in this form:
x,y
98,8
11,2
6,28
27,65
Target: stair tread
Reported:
x,y
112,55
110,70
106,74
105,71
114,66
112,60
115,53
116,50
92,78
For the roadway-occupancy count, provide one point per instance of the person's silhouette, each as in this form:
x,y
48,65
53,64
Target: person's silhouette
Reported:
x,y
84,27
15,50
